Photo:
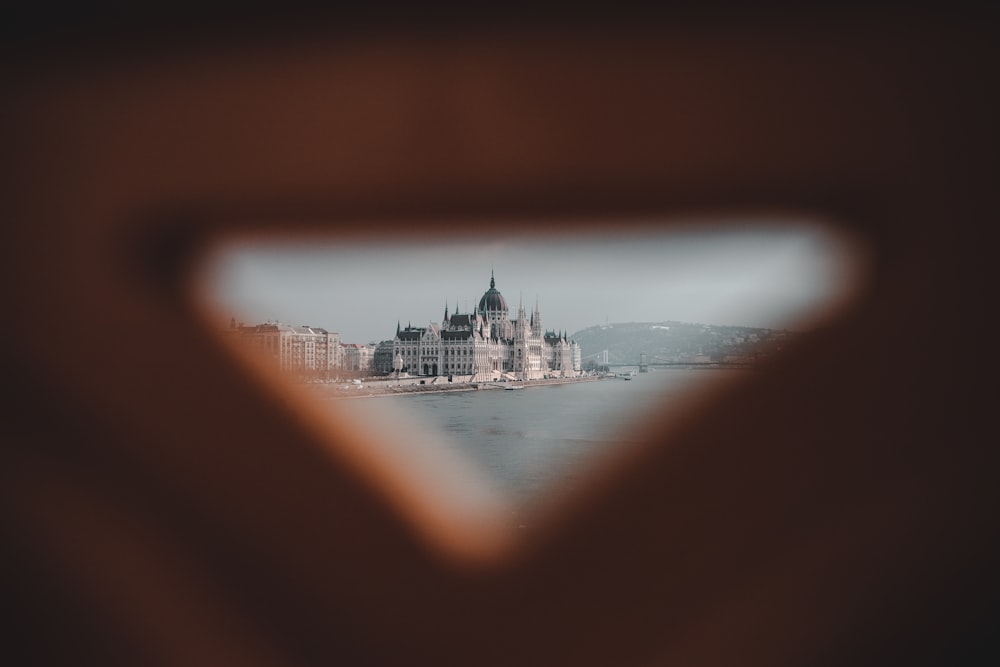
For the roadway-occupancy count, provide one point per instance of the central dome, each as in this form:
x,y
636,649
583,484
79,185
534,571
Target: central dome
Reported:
x,y
492,299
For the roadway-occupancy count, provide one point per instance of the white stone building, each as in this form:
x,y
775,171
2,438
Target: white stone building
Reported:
x,y
358,357
487,345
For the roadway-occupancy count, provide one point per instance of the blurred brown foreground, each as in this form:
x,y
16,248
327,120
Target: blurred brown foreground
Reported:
x,y
160,507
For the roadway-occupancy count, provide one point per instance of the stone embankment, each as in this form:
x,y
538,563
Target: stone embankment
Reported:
x,y
380,387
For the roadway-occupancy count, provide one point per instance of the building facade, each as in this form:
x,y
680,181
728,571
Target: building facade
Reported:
x,y
310,350
382,358
487,345
358,357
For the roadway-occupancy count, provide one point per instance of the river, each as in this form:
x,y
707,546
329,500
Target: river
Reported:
x,y
544,439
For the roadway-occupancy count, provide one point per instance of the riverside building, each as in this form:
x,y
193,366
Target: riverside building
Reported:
x,y
310,350
487,345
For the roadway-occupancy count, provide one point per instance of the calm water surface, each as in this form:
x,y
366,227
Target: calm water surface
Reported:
x,y
541,439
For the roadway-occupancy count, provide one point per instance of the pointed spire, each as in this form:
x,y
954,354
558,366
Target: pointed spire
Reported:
x,y
493,283
397,327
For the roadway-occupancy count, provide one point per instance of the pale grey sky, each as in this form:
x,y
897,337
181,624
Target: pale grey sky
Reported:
x,y
752,273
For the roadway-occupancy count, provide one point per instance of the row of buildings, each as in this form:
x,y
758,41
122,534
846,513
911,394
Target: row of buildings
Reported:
x,y
485,345
305,349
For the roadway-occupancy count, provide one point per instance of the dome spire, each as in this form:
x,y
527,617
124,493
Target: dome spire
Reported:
x,y
492,301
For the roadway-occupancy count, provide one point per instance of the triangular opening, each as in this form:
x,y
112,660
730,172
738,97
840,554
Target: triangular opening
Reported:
x,y
488,374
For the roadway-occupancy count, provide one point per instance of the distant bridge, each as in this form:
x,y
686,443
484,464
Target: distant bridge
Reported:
x,y
601,357
644,363
684,364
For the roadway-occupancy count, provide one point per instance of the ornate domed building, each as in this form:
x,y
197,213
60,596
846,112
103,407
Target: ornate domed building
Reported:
x,y
487,345
493,300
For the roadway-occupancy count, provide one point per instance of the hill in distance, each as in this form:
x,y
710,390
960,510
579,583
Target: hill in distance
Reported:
x,y
678,342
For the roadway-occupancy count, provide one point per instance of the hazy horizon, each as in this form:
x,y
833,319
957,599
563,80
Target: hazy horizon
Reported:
x,y
764,274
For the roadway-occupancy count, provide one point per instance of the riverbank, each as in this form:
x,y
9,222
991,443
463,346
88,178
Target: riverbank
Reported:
x,y
393,387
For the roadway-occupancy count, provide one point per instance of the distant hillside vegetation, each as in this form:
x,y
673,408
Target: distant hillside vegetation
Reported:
x,y
678,341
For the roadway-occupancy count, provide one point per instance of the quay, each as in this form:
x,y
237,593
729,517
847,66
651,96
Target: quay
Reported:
x,y
416,385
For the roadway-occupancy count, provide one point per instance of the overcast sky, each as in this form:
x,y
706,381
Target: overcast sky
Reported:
x,y
761,275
